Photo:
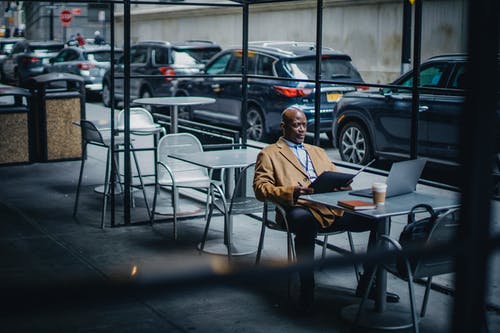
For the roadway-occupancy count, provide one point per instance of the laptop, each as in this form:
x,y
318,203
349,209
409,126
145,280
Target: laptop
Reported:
x,y
402,179
330,180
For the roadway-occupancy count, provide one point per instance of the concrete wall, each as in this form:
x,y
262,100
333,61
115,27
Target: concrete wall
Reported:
x,y
369,30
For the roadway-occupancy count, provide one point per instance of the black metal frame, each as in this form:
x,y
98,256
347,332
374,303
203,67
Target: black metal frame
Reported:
x,y
472,269
477,243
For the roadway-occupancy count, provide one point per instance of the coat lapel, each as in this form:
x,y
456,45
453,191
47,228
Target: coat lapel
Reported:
x,y
290,156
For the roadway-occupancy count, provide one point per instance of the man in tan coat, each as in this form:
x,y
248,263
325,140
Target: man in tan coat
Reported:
x,y
283,172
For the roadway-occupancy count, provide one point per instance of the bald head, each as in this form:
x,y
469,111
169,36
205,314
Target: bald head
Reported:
x,y
289,114
293,124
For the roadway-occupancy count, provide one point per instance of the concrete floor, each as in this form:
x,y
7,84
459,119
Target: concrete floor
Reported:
x,y
62,274
65,274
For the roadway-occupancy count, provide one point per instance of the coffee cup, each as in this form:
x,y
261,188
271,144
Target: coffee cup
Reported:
x,y
379,190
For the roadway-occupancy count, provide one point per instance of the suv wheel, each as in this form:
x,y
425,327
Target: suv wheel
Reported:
x,y
255,122
354,144
106,94
146,93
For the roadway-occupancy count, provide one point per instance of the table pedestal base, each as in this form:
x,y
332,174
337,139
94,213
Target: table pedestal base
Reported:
x,y
185,209
395,317
239,247
100,189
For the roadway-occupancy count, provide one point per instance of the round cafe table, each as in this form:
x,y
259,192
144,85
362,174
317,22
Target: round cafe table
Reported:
x,y
174,102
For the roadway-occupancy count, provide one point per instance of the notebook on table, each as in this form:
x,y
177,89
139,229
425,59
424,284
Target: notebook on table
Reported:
x,y
402,179
330,180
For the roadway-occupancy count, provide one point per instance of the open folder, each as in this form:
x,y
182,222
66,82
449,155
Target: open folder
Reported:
x,y
328,181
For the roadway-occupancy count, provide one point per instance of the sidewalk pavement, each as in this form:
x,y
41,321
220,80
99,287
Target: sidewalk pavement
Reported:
x,y
77,274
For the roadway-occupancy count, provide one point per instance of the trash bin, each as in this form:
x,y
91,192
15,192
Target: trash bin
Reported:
x,y
15,133
58,102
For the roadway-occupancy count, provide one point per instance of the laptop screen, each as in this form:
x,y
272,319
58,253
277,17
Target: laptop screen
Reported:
x,y
403,178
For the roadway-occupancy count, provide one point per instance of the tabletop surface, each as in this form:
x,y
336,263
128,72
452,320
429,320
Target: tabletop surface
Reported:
x,y
175,100
398,205
220,159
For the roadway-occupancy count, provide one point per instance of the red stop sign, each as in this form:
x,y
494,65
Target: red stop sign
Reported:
x,y
65,17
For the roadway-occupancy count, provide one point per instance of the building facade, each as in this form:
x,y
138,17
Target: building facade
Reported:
x,y
371,31
43,20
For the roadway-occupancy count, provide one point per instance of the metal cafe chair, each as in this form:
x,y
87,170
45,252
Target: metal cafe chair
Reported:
x,y
242,201
442,230
140,119
141,124
174,174
91,135
291,255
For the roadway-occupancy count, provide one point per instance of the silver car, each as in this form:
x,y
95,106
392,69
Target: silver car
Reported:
x,y
89,62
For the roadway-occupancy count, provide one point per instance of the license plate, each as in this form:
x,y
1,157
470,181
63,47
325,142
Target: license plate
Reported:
x,y
333,97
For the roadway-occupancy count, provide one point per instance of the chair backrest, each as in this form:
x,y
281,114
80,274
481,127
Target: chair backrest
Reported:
x,y
180,143
243,199
139,118
275,216
90,133
444,231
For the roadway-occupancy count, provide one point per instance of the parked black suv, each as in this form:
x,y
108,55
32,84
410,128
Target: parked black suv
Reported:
x,y
378,123
268,96
158,58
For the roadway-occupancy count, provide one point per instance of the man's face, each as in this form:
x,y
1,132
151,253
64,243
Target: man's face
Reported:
x,y
294,126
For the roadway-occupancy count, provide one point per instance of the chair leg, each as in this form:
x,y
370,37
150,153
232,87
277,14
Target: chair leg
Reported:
x,y
353,251
107,176
207,225
142,182
261,243
77,196
323,251
412,301
290,248
174,209
227,226
153,209
207,204
426,296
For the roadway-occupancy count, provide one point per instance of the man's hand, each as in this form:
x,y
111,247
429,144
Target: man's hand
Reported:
x,y
300,190
343,188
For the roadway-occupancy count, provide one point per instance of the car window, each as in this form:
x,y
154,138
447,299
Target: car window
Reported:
x,y
202,54
219,65
183,58
234,66
101,56
61,56
7,48
431,76
138,55
331,69
458,79
18,48
71,55
265,65
160,56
